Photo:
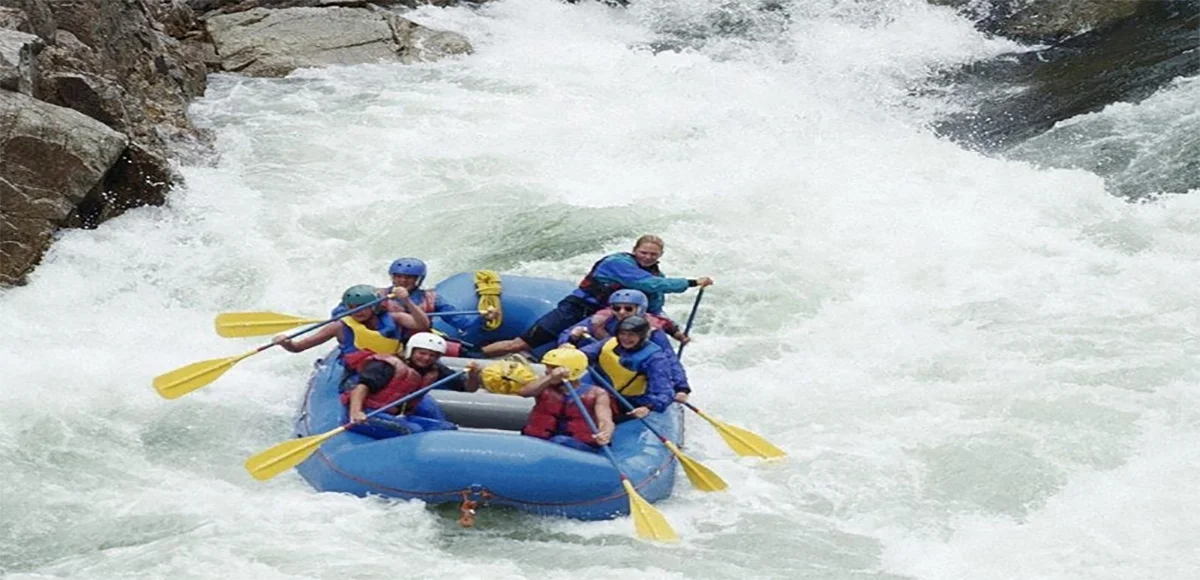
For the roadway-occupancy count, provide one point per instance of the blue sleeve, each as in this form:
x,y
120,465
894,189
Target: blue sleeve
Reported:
x,y
679,380
463,322
659,394
564,337
623,268
660,338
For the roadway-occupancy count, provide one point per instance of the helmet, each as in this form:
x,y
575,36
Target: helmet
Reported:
x,y
630,296
408,267
427,341
635,324
358,295
506,378
570,358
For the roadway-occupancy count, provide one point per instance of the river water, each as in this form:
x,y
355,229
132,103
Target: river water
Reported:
x,y
980,368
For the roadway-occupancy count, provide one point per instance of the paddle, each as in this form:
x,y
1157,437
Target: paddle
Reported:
x,y
243,324
691,319
649,522
703,478
742,442
284,456
184,380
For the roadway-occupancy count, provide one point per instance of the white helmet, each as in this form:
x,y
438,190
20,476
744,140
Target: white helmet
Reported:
x,y
427,341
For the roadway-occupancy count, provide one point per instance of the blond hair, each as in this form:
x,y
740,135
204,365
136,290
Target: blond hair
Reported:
x,y
649,239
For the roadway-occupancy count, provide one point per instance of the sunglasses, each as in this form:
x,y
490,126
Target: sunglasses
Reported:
x,y
626,308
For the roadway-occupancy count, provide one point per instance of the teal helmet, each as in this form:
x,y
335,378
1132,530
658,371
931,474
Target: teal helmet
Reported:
x,y
358,295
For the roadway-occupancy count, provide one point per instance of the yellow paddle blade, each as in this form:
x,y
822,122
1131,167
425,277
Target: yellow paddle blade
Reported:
x,y
284,456
184,380
649,522
243,324
702,478
742,442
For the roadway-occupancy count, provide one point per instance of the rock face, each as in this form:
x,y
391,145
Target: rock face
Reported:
x,y
416,43
1015,97
51,159
71,67
231,6
1045,20
94,93
18,60
263,42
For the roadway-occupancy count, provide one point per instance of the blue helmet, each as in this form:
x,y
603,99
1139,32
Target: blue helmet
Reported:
x,y
630,296
408,267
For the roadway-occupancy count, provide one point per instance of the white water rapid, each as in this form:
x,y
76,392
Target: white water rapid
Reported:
x,y
980,369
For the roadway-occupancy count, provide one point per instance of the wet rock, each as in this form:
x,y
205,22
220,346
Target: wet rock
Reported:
x,y
135,179
1045,20
13,19
416,43
273,43
234,6
112,62
1014,97
35,17
18,68
51,158
174,17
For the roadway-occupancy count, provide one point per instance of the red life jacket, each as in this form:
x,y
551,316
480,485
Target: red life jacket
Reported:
x,y
406,382
429,301
552,406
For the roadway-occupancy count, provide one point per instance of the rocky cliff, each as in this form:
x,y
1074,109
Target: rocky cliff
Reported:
x,y
94,94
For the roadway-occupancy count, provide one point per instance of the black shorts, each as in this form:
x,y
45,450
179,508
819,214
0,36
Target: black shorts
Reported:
x,y
570,310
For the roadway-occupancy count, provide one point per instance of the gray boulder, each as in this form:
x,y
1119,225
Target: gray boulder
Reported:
x,y
18,51
116,63
416,43
1045,20
273,43
13,18
51,159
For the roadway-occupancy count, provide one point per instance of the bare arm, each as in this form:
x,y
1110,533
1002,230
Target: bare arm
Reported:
x,y
321,336
357,396
597,325
536,386
473,378
412,316
604,419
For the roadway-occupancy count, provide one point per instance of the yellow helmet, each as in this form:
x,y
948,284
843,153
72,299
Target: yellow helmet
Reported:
x,y
570,358
507,378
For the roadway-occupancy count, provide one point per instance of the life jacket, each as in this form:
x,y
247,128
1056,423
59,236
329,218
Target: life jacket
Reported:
x,y
428,301
555,413
357,337
624,370
601,291
406,381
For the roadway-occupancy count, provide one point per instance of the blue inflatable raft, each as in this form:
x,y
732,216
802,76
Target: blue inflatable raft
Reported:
x,y
487,459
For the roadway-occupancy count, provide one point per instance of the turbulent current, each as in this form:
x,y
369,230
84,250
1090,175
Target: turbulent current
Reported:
x,y
980,368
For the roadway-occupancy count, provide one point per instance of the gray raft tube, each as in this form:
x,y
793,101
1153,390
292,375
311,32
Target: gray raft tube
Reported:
x,y
483,409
